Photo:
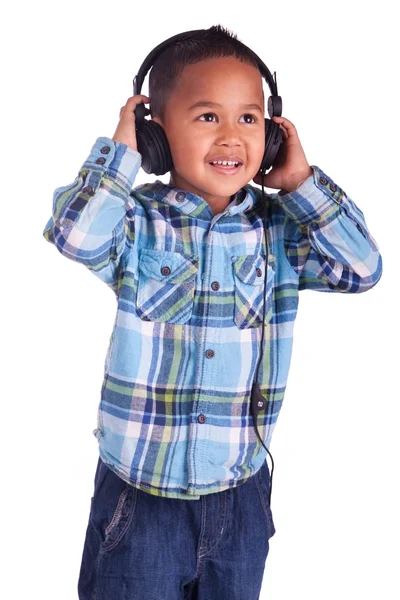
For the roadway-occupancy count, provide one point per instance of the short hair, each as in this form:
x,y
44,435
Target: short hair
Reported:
x,y
215,42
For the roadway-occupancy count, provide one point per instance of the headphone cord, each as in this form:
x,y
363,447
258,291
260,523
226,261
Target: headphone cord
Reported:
x,y
258,402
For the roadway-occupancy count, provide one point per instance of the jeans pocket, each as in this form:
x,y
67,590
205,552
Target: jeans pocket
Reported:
x,y
166,285
263,482
112,506
121,518
249,271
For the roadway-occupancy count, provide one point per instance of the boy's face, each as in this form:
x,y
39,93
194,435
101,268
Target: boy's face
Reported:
x,y
199,135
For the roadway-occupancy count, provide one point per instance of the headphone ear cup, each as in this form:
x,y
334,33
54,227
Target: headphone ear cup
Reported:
x,y
153,145
273,141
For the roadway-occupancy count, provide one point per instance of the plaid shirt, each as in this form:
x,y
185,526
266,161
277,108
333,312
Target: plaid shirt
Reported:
x,y
174,415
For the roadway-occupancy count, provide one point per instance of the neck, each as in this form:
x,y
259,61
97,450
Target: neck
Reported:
x,y
217,203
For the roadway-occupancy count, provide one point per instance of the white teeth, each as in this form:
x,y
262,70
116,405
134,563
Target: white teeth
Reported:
x,y
224,162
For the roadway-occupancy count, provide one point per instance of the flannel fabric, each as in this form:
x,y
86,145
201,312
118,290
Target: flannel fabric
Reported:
x,y
174,415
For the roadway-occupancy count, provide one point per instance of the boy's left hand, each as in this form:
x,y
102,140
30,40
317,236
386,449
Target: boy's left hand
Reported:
x,y
290,166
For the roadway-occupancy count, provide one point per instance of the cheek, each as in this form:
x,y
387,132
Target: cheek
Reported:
x,y
186,152
261,142
259,148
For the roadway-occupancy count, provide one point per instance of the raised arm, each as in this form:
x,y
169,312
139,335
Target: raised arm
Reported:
x,y
327,240
93,217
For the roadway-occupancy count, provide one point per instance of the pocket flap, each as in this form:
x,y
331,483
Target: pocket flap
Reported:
x,y
250,268
168,266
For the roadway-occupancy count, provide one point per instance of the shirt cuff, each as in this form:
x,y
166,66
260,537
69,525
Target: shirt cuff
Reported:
x,y
119,160
315,200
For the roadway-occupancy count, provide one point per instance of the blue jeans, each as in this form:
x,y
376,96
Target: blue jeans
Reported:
x,y
144,547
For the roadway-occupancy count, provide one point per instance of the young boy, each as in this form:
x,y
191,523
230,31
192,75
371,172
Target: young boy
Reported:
x,y
186,261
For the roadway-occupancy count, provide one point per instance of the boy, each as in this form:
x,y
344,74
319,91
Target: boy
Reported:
x,y
186,261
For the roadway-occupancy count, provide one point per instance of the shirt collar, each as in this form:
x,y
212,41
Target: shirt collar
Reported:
x,y
193,204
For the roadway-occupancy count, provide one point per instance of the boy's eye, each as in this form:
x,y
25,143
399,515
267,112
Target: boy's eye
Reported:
x,y
246,115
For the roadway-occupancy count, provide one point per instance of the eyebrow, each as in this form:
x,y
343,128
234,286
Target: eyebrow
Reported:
x,y
215,104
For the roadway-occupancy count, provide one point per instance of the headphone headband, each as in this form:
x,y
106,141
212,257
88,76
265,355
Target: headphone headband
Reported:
x,y
273,105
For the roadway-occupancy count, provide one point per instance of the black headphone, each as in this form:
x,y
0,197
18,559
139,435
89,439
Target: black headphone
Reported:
x,y
154,148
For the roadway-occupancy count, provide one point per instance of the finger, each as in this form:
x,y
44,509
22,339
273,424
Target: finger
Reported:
x,y
130,106
138,99
284,121
287,125
285,133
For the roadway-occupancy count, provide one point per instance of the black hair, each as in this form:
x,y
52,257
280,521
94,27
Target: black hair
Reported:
x,y
214,42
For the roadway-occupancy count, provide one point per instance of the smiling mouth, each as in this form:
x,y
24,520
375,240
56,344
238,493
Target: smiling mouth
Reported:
x,y
226,169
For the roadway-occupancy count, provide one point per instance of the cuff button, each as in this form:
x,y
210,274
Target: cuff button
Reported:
x,y
87,190
100,161
323,180
105,150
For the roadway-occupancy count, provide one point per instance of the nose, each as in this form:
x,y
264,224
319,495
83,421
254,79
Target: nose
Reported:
x,y
229,135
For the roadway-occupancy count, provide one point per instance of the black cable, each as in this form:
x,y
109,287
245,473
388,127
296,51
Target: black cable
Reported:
x,y
258,402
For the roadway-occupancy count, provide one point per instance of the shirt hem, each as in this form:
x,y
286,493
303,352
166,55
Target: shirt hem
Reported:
x,y
179,495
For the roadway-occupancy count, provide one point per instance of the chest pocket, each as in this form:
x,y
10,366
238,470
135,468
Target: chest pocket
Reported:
x,y
248,273
166,284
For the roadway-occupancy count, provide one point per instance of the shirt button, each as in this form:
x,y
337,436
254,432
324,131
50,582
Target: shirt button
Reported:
x,y
105,150
210,353
180,196
165,271
101,160
333,187
323,180
215,286
201,419
259,272
87,190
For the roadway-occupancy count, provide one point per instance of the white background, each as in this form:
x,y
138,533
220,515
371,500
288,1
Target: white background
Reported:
x,y
66,71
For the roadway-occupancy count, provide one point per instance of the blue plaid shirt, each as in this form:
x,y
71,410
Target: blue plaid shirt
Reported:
x,y
174,415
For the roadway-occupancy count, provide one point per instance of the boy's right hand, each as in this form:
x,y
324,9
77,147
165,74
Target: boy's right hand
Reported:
x,y
126,132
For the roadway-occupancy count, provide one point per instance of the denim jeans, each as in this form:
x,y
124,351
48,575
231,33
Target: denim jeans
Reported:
x,y
144,547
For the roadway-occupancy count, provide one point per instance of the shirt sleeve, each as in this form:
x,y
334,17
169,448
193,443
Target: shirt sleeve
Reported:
x,y
327,241
93,217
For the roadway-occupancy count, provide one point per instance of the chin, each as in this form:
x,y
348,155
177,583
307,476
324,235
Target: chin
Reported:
x,y
227,189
